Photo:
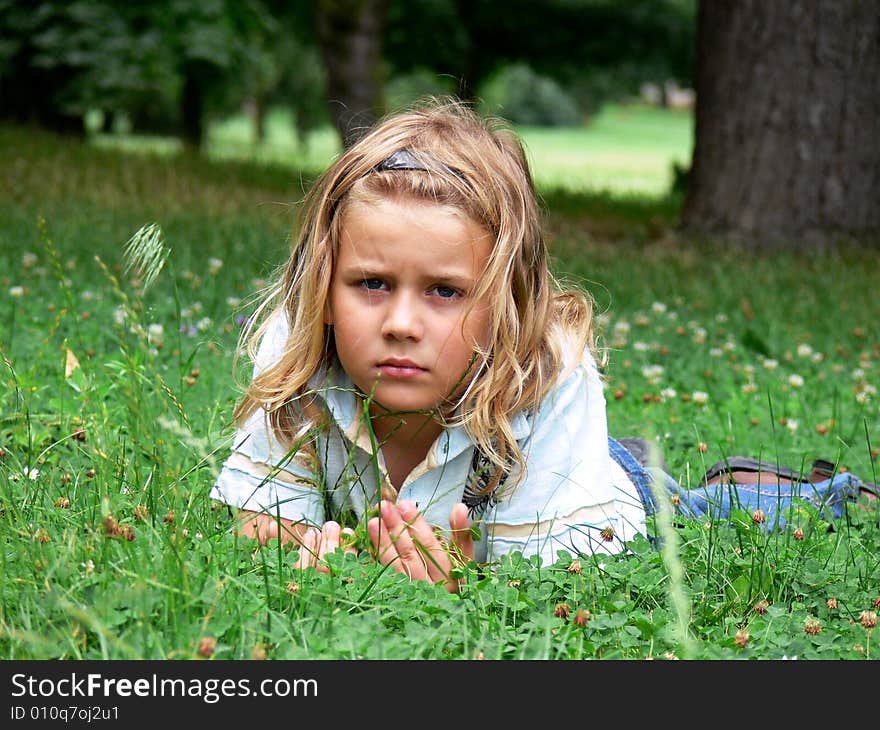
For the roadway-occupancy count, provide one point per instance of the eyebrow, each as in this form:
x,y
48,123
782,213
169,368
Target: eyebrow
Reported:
x,y
371,269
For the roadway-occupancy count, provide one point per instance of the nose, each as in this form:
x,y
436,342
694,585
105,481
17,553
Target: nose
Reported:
x,y
402,320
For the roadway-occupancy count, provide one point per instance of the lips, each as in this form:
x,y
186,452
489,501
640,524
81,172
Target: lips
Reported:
x,y
400,368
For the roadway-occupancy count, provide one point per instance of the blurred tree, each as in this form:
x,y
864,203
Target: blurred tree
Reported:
x,y
350,37
596,49
787,139
58,60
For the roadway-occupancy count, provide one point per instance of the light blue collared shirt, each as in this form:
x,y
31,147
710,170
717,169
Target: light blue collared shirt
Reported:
x,y
573,495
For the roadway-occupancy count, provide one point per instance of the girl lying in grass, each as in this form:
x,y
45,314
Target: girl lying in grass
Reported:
x,y
417,366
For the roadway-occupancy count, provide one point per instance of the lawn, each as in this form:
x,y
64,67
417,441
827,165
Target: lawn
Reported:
x,y
117,397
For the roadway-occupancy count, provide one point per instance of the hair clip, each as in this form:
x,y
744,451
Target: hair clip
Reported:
x,y
401,160
406,160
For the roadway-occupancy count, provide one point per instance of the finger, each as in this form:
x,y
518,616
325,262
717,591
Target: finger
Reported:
x,y
390,537
430,548
255,527
308,549
347,541
460,526
400,520
328,543
381,541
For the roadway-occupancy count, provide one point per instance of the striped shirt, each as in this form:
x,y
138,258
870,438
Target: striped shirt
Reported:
x,y
573,496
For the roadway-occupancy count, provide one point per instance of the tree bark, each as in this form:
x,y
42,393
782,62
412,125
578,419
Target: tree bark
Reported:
x,y
787,136
350,37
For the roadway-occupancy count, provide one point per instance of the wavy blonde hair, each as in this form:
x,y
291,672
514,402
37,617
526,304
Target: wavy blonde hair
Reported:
x,y
538,329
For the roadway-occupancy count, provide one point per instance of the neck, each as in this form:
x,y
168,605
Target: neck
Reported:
x,y
405,439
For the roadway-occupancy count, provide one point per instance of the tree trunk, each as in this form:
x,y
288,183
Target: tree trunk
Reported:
x,y
787,137
192,109
350,36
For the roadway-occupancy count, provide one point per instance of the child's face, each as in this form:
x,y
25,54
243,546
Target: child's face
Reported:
x,y
403,280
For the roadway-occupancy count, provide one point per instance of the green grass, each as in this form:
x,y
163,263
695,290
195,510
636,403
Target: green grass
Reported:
x,y
623,149
127,444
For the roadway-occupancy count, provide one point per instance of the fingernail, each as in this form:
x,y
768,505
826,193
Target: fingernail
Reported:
x,y
406,507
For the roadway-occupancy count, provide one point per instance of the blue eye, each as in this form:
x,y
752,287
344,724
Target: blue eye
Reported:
x,y
372,284
446,292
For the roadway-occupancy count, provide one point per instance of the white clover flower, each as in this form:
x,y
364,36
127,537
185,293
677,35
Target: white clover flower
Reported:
x,y
214,265
119,315
87,295
658,307
652,373
818,357
16,292
700,397
203,324
804,350
28,259
770,363
88,567
699,335
749,369
672,314
640,346
858,374
795,380
155,334
864,393
721,317
233,302
668,393
622,326
750,387
788,658
791,424
196,307
642,321
729,346
715,352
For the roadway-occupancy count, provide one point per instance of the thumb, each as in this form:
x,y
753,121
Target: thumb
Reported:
x,y
461,530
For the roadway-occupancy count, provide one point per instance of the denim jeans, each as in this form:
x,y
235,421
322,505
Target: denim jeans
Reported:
x,y
716,501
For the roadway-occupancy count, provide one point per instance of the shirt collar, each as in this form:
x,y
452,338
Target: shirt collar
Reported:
x,y
346,407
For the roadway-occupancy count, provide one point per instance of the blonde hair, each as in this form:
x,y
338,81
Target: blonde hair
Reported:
x,y
538,329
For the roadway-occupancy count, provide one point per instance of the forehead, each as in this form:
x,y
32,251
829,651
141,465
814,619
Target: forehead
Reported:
x,y
410,228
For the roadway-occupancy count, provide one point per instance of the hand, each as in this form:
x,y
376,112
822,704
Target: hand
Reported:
x,y
402,538
264,527
315,544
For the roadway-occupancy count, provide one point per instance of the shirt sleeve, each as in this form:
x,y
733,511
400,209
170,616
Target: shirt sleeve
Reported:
x,y
573,496
261,474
